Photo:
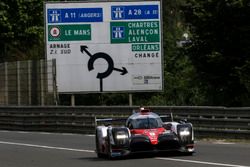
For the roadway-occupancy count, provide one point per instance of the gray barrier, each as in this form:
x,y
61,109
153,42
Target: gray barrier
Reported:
x,y
217,122
31,82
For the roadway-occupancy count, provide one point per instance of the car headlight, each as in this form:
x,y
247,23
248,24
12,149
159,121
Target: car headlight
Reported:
x,y
184,132
121,136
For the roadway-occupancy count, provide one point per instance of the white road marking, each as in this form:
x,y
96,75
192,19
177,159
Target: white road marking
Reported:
x,y
201,162
223,143
46,147
43,133
4,131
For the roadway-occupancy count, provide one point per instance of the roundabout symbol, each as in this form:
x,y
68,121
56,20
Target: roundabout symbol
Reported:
x,y
108,59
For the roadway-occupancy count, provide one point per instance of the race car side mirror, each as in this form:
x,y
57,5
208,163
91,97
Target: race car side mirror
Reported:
x,y
183,121
167,126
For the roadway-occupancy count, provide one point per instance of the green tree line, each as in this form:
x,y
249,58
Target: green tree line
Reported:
x,y
209,65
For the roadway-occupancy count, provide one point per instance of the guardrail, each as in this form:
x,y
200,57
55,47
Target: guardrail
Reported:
x,y
46,120
219,122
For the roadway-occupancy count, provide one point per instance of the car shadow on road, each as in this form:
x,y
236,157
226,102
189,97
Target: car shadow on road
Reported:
x,y
94,159
136,156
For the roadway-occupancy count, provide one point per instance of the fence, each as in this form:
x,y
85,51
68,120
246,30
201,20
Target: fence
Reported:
x,y
216,122
27,83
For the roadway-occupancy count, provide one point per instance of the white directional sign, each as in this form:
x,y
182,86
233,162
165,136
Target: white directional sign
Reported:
x,y
105,46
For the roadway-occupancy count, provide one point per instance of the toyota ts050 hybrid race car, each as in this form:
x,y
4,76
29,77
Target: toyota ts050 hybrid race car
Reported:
x,y
144,132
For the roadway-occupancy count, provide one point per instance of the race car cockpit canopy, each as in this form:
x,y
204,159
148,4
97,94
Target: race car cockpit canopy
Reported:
x,y
144,120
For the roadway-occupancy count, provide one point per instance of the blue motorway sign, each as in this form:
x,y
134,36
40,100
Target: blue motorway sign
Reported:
x,y
131,12
73,15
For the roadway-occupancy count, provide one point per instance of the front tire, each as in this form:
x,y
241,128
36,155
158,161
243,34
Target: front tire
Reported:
x,y
99,154
188,153
109,148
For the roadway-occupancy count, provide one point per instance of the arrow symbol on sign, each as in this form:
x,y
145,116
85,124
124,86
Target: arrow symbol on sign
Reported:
x,y
84,49
123,70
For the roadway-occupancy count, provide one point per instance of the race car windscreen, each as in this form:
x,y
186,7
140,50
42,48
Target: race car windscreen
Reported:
x,y
147,123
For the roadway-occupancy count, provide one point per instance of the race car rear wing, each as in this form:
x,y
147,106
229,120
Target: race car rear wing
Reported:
x,y
167,118
170,118
110,121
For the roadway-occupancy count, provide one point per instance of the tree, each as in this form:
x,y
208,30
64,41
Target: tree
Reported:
x,y
220,48
21,24
179,74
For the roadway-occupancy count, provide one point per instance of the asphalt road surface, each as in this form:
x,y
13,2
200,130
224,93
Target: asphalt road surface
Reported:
x,y
33,149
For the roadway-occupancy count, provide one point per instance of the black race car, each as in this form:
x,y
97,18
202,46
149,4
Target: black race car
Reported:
x,y
144,131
